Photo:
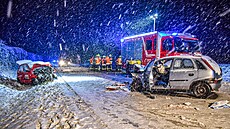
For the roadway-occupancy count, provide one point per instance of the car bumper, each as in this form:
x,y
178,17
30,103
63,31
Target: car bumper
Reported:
x,y
216,84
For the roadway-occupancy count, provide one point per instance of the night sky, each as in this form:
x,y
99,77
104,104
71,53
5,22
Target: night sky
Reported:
x,y
96,26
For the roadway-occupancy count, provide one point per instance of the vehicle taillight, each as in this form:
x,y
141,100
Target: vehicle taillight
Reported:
x,y
206,62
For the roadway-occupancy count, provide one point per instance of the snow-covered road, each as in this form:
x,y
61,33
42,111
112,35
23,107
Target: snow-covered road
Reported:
x,y
80,100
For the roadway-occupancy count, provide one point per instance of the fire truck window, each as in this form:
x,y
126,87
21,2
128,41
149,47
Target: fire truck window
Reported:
x,y
155,44
167,44
182,45
148,44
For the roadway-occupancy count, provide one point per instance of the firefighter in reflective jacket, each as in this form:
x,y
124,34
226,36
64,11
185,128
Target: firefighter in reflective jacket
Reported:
x,y
108,62
98,62
91,60
103,63
119,63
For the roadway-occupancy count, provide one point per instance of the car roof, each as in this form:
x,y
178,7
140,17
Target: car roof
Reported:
x,y
31,63
20,62
181,56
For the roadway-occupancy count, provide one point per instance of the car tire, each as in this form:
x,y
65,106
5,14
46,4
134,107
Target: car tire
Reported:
x,y
201,90
136,85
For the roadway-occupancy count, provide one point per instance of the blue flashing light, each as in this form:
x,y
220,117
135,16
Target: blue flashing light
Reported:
x,y
122,40
174,34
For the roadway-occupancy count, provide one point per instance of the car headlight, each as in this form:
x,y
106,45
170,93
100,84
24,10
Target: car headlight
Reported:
x,y
61,62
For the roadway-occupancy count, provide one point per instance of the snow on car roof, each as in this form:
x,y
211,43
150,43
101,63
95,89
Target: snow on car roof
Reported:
x,y
31,63
38,62
20,62
182,56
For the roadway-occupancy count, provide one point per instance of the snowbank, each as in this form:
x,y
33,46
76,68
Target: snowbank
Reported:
x,y
226,72
10,93
9,56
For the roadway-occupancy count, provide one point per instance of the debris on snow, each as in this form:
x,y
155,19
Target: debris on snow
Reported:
x,y
118,86
220,104
167,97
113,87
181,106
187,103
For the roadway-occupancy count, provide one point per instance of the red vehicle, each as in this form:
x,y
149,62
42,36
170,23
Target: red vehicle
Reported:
x,y
140,49
34,73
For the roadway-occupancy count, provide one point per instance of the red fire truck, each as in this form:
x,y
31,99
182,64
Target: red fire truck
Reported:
x,y
142,48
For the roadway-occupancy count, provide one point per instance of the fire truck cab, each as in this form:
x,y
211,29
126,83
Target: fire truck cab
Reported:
x,y
142,48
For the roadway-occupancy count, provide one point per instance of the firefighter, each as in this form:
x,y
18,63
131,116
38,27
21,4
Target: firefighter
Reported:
x,y
108,62
119,63
103,63
98,62
91,60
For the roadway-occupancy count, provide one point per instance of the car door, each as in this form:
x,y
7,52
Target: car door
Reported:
x,y
20,73
26,71
147,76
159,76
182,73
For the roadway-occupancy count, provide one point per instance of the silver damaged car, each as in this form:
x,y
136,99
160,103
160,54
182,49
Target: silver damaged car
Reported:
x,y
199,75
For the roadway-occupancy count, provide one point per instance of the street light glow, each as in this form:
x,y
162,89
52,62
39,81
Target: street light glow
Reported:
x,y
154,17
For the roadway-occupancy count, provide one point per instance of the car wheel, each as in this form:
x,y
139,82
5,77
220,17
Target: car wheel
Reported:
x,y
201,90
136,85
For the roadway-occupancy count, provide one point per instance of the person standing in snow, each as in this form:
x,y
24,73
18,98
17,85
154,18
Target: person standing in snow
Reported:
x,y
119,63
108,62
98,62
91,60
103,63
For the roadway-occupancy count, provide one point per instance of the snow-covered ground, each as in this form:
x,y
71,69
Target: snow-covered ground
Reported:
x,y
226,72
9,56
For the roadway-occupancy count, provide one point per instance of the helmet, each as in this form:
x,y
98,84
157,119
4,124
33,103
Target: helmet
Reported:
x,y
120,56
103,56
98,55
110,55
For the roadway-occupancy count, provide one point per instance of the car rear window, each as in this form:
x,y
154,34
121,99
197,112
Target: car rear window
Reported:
x,y
199,65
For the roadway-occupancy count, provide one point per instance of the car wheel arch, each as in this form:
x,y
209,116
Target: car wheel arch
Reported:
x,y
204,83
199,81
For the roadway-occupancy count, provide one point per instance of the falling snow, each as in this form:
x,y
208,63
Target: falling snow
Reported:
x,y
105,22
